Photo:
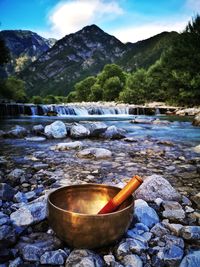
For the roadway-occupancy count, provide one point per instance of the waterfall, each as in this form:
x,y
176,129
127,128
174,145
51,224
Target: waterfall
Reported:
x,y
157,111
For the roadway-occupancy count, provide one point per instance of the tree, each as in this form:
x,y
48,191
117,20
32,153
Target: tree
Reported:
x,y
83,88
37,99
112,88
135,89
96,93
72,97
50,99
14,88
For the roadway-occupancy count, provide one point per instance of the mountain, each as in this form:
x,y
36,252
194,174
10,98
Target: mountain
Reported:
x,y
71,59
24,47
144,53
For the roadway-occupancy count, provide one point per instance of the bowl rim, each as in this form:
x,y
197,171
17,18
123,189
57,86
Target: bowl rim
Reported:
x,y
84,214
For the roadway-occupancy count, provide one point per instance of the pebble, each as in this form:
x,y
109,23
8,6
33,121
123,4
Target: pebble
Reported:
x,y
132,260
190,233
56,257
173,211
191,260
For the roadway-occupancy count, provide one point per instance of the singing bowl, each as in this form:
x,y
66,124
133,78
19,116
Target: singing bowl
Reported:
x,y
72,214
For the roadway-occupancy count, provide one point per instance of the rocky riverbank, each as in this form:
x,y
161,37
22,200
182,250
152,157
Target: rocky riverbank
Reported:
x,y
165,229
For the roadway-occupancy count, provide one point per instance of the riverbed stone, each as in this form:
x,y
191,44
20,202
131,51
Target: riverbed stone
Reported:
x,y
173,211
155,186
79,131
94,153
6,192
196,149
190,233
132,260
169,256
83,257
34,245
131,245
56,130
159,230
145,214
16,175
35,138
67,146
29,214
38,129
96,128
17,132
175,228
56,257
196,199
20,197
113,132
196,120
191,260
16,262
7,236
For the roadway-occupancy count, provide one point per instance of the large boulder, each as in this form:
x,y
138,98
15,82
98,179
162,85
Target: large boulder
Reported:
x,y
16,175
155,186
17,132
56,130
94,153
79,131
196,121
113,132
96,128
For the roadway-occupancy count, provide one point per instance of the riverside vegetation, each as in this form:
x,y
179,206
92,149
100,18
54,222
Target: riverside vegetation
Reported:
x,y
162,68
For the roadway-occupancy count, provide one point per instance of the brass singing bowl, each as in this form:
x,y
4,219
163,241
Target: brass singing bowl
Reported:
x,y
72,214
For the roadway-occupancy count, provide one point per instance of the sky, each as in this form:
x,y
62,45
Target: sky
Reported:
x,y
128,20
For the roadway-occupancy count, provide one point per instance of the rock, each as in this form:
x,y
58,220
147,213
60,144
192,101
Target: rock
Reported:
x,y
33,246
191,260
96,128
174,228
160,122
4,218
132,261
17,132
83,257
173,211
40,166
79,131
20,197
130,140
142,121
113,132
35,139
109,259
165,142
196,121
56,257
196,199
57,130
95,153
16,175
31,213
145,214
131,245
7,236
170,256
173,240
6,192
155,186
67,146
38,129
16,262
190,233
159,230
196,149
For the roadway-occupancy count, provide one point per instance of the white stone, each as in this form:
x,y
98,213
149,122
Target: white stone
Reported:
x,y
79,131
155,186
57,130
95,153
67,146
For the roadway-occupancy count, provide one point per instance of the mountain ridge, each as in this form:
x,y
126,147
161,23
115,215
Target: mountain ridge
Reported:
x,y
84,53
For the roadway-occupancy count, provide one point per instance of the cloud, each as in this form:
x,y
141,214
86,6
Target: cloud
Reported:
x,y
72,15
138,33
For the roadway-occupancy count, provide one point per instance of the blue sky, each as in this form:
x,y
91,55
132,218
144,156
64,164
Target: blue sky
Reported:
x,y
128,20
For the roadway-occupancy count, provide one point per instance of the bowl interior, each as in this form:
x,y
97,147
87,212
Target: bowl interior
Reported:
x,y
85,199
